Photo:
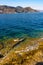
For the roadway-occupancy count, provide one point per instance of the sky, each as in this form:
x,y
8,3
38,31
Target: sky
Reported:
x,y
36,4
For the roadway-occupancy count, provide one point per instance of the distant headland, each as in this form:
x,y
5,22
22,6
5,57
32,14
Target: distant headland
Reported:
x,y
18,9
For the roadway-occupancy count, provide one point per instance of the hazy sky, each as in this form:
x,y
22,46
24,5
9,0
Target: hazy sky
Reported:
x,y
36,4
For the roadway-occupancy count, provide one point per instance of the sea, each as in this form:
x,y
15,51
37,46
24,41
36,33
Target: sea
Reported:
x,y
17,25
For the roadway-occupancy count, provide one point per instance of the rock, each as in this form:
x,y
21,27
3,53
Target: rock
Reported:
x,y
39,63
1,45
1,56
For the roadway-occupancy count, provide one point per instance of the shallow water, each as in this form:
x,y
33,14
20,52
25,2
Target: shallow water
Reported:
x,y
21,24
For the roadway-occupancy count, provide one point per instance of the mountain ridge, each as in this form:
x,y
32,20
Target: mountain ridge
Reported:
x,y
18,9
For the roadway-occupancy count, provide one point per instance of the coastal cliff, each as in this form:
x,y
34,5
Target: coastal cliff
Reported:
x,y
18,9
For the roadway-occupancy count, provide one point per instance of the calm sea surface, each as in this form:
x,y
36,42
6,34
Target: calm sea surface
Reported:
x,y
21,24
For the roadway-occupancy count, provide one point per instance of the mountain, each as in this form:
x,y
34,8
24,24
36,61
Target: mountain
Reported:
x,y
18,9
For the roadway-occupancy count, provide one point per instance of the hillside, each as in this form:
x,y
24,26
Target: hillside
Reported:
x,y
18,9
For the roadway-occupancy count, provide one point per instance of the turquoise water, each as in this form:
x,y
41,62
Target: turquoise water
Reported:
x,y
21,24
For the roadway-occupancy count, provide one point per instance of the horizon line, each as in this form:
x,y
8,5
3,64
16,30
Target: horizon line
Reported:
x,y
20,6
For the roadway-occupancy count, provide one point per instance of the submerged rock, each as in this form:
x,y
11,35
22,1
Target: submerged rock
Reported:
x,y
1,56
39,63
27,52
1,45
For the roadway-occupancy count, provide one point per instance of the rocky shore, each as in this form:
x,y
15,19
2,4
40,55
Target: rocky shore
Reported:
x,y
25,51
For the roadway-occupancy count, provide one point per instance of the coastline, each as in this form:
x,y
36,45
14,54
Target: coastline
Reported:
x,y
21,44
18,9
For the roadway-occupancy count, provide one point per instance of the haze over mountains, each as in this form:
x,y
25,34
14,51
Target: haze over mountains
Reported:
x,y
18,9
